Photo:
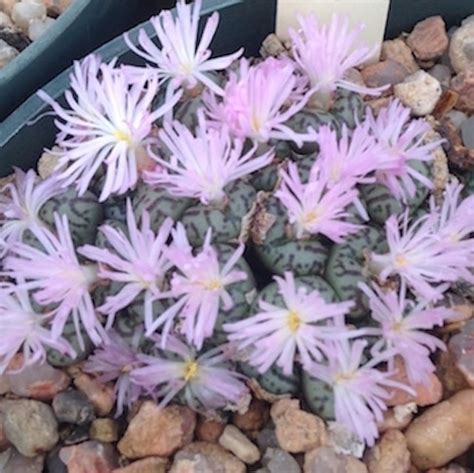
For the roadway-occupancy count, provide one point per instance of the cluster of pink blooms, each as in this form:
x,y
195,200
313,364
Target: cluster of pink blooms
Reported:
x,y
110,123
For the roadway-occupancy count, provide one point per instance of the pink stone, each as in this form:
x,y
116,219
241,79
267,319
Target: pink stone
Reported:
x,y
384,73
158,431
89,457
147,465
429,39
463,84
41,382
99,394
426,395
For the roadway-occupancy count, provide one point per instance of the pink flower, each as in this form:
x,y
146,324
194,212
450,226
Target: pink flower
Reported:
x,y
354,158
277,334
360,390
419,258
326,52
316,207
199,284
114,361
20,203
137,260
402,328
456,217
182,59
402,142
108,123
206,382
24,329
259,101
56,277
202,164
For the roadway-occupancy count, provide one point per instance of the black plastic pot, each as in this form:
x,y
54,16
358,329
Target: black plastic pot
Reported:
x,y
84,26
243,23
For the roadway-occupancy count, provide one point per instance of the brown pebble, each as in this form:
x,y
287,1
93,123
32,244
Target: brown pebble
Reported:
x,y
463,84
429,39
104,430
255,418
446,103
448,373
397,50
389,455
384,73
99,394
443,432
209,430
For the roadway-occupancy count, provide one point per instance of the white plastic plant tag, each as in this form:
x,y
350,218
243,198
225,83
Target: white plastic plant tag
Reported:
x,y
373,13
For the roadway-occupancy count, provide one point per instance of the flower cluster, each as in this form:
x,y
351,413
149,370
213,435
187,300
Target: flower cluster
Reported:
x,y
183,288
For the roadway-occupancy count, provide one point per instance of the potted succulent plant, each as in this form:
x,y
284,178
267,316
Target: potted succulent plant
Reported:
x,y
83,26
212,228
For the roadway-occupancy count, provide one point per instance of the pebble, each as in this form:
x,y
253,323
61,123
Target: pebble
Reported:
x,y
344,441
104,430
442,73
7,53
30,426
398,417
12,462
461,48
464,84
254,418
296,430
89,457
397,50
204,457
426,394
38,27
57,7
73,407
99,394
462,344
420,92
7,5
326,460
24,12
235,441
54,464
41,381
158,431
429,39
442,432
208,430
147,465
4,442
384,73
267,438
389,455
5,21
278,461
451,378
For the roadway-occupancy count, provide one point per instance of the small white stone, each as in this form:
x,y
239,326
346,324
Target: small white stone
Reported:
x,y
7,53
6,6
419,91
24,12
38,27
234,440
5,20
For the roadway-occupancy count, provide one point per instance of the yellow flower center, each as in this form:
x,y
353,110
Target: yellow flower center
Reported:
x,y
397,326
293,321
190,370
212,284
311,216
401,261
121,135
342,376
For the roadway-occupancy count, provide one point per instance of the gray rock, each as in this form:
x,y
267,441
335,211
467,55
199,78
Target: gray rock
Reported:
x,y
73,407
12,462
277,460
266,438
457,118
467,132
442,73
30,426
53,463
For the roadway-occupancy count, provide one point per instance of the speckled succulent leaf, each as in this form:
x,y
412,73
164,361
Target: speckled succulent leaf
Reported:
x,y
345,265
319,396
84,214
158,203
59,360
348,108
280,254
381,203
273,380
186,111
242,294
226,223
